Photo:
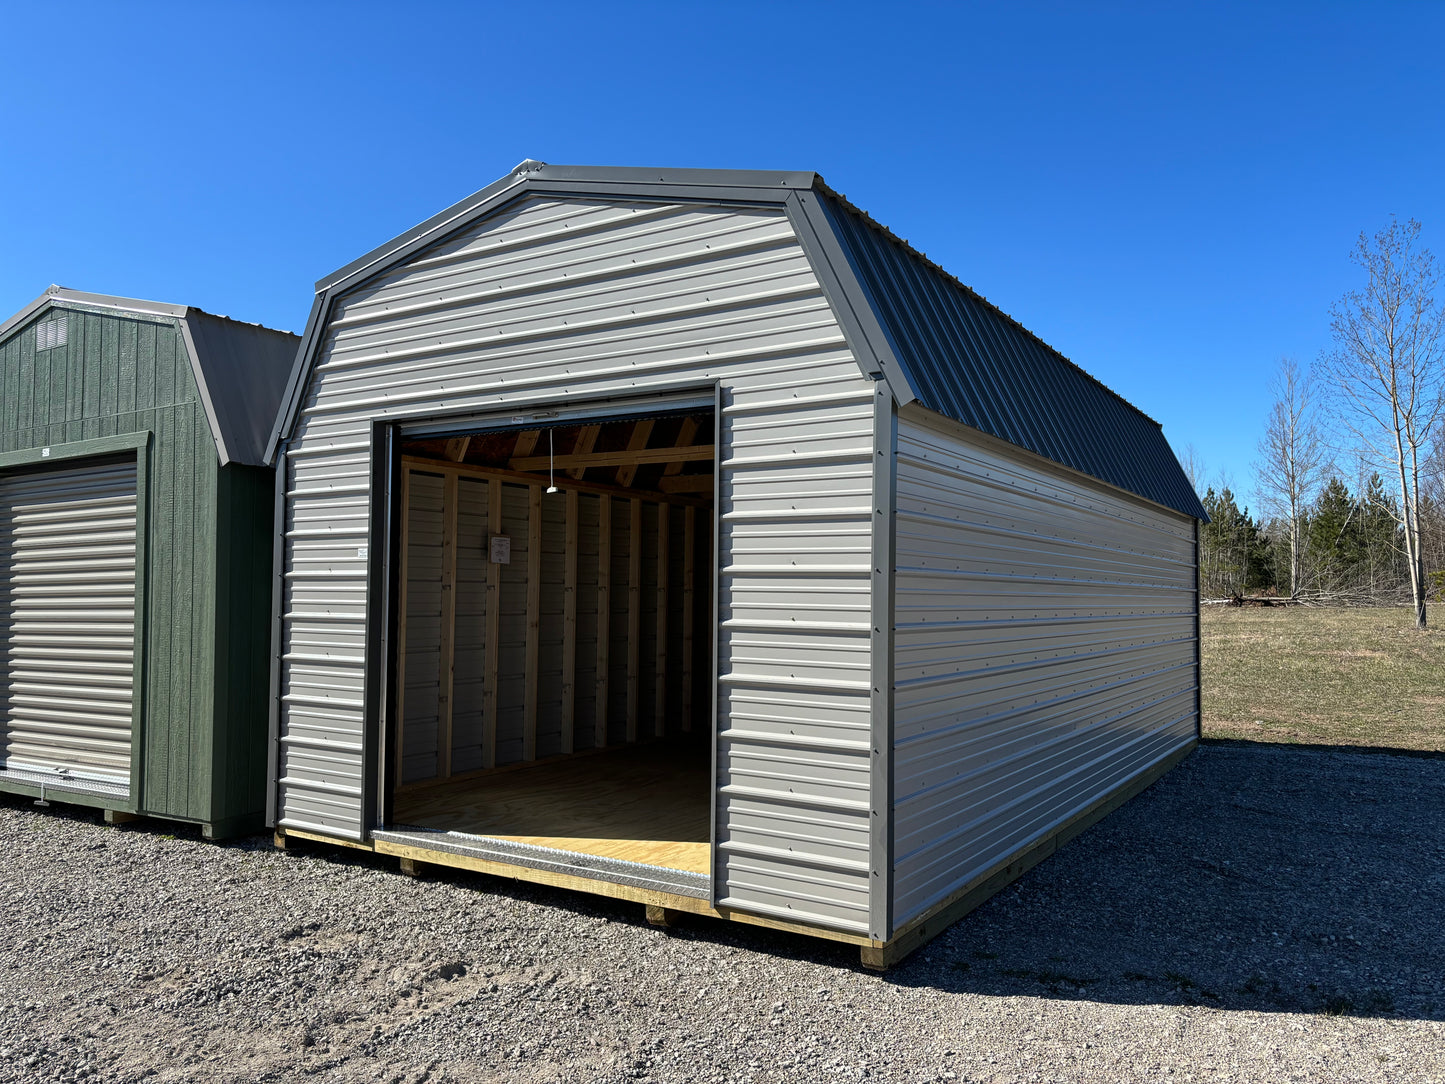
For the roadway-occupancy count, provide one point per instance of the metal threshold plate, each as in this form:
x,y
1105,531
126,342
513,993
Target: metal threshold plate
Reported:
x,y
53,781
596,867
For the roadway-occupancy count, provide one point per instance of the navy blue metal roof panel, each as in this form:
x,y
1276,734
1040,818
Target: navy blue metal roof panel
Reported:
x,y
967,360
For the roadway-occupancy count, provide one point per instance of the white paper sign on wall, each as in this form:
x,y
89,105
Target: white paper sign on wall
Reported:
x,y
501,549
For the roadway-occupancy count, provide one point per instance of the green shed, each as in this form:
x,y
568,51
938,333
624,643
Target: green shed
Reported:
x,y
136,516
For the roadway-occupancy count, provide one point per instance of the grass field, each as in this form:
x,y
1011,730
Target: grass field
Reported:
x,y
1324,676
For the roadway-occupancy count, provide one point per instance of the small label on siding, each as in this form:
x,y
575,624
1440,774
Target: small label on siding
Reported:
x,y
44,453
361,552
501,552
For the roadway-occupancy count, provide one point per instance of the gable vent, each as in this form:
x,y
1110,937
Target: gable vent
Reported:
x,y
50,333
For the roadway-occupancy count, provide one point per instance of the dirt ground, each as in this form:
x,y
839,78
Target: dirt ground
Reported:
x,y
1260,914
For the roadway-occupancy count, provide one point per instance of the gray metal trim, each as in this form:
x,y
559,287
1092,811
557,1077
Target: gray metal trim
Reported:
x,y
881,641
714,852
204,388
383,597
866,337
300,367
278,581
594,867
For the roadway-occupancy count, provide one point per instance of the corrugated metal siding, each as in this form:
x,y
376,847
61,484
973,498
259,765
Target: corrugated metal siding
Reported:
x,y
67,620
1045,649
421,702
469,657
588,297
967,361
119,375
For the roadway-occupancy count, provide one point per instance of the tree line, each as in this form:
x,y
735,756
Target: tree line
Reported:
x,y
1350,477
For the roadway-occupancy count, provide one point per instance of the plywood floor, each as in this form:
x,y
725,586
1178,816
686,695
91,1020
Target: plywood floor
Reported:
x,y
648,804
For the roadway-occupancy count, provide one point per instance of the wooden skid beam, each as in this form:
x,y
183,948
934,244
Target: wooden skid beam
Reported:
x,y
604,618
491,649
634,615
628,458
569,625
689,569
534,622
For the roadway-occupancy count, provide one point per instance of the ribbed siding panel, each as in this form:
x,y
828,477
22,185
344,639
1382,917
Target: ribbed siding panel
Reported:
x,y
67,620
1045,651
594,297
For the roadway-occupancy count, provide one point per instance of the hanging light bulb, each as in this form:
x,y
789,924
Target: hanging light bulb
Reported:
x,y
551,463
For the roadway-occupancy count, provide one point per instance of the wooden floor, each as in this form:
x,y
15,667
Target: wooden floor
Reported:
x,y
648,804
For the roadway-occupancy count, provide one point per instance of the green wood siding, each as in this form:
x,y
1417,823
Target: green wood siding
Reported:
x,y
120,374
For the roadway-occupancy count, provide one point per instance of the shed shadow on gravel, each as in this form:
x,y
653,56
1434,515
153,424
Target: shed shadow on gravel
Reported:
x,y
1262,877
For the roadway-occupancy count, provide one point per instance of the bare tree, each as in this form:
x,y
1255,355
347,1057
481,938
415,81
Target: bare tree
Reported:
x,y
1387,364
1292,459
1193,464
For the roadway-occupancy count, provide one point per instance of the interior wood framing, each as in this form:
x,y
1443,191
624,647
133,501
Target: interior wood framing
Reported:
x,y
646,610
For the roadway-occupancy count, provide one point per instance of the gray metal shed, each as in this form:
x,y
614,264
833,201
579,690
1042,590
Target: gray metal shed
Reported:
x,y
135,526
686,537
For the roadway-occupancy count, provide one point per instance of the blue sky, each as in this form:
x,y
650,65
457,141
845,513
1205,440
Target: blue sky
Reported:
x,y
1166,193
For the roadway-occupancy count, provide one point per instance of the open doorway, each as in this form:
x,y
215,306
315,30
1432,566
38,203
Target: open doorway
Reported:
x,y
554,641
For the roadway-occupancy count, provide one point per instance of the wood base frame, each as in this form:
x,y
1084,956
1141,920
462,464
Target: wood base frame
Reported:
x,y
665,909
923,929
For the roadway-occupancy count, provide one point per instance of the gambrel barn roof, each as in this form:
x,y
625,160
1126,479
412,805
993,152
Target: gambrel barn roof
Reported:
x,y
238,367
936,341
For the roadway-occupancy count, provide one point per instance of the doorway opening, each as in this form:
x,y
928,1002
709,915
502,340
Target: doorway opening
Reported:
x,y
554,648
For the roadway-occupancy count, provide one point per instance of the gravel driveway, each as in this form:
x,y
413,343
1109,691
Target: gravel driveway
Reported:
x,y
1260,914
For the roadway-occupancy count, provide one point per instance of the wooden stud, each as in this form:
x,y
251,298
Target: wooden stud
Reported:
x,y
448,625
630,457
411,867
685,436
689,570
586,441
456,449
120,816
664,543
569,625
492,648
604,618
634,615
534,623
402,557
635,443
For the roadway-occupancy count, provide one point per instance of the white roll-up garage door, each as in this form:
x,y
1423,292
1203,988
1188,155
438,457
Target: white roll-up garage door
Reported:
x,y
67,619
